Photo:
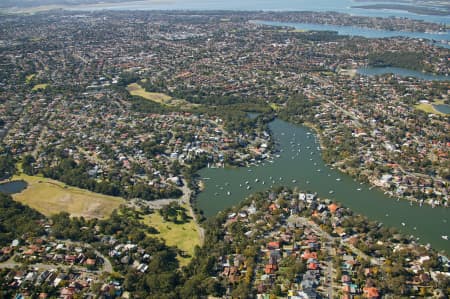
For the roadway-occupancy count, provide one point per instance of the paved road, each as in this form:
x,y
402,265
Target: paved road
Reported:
x,y
107,266
320,232
328,242
186,198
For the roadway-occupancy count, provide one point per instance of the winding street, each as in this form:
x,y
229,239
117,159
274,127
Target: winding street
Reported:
x,y
328,241
186,198
107,266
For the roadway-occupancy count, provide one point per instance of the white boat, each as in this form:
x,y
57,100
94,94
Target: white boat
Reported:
x,y
359,189
256,180
228,193
331,191
403,223
338,179
294,181
444,237
248,187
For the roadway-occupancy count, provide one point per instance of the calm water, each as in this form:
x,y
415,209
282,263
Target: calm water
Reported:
x,y
13,187
372,71
442,108
344,6
300,160
364,32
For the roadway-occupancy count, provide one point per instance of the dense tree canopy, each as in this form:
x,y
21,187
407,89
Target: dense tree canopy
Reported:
x,y
17,220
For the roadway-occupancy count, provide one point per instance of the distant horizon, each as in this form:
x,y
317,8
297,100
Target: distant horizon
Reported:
x,y
341,6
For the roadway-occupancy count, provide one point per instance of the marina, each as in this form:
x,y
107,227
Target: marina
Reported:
x,y
430,223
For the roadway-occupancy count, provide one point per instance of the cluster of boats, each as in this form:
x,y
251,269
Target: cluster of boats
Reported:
x,y
297,151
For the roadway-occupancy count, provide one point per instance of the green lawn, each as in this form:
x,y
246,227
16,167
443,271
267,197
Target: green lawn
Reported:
x,y
39,87
29,78
183,236
428,107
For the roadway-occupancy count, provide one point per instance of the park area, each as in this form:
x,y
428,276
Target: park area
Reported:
x,y
51,197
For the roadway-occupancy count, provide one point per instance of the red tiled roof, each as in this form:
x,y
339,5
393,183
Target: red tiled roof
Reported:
x,y
371,292
270,268
274,244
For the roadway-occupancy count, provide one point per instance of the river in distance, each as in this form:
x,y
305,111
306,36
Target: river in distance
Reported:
x,y
364,32
300,165
377,71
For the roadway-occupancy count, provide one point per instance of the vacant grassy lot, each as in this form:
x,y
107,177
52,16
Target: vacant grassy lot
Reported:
x,y
348,72
39,87
136,90
183,236
275,106
51,197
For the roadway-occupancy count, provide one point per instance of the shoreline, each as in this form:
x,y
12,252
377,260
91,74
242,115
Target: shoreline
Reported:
x,y
370,179
419,10
77,7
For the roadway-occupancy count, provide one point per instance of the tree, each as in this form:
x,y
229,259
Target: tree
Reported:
x,y
27,164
